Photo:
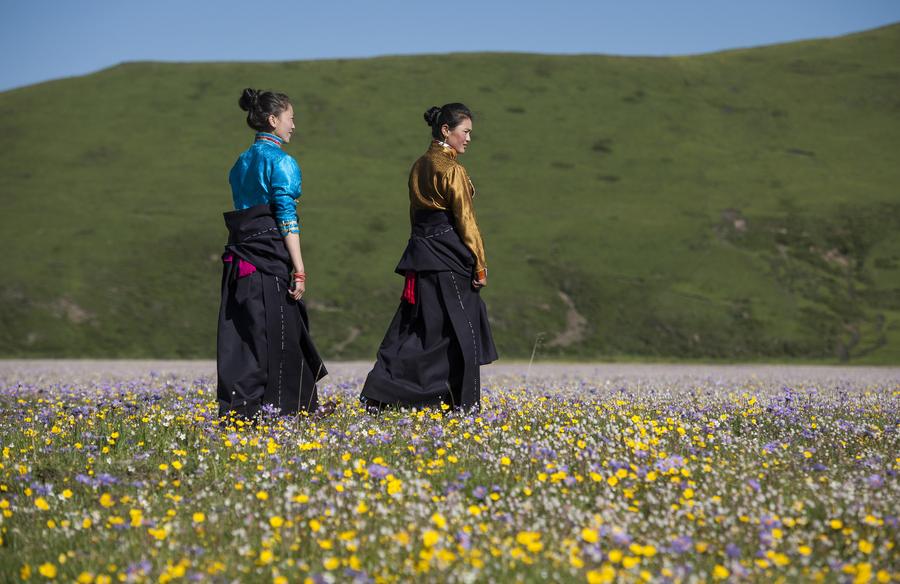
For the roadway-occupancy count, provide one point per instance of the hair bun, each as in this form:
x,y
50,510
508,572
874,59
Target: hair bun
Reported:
x,y
432,115
249,99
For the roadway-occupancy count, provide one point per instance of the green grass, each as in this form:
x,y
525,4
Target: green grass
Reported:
x,y
615,180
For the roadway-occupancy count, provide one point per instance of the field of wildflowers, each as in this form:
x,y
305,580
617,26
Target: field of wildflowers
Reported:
x,y
572,474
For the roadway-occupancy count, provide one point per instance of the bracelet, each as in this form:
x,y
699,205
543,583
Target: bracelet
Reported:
x,y
300,277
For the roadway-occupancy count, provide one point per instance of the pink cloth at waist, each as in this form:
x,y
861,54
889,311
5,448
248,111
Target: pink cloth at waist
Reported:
x,y
409,288
245,268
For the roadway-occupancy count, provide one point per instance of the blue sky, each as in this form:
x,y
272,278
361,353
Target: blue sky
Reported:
x,y
47,39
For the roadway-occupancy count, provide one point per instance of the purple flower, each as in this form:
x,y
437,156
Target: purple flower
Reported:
x,y
143,566
106,479
672,462
682,544
733,551
875,481
378,471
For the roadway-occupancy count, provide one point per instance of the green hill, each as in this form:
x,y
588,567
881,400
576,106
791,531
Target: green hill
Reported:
x,y
741,205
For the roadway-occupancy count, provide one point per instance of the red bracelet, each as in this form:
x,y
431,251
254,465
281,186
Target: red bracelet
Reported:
x,y
300,277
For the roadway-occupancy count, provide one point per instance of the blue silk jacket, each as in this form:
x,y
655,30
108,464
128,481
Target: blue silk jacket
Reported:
x,y
267,175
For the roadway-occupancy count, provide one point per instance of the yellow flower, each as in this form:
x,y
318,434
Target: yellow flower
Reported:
x,y
474,510
505,461
439,520
106,500
158,533
266,557
836,524
301,499
430,537
347,535
41,504
720,572
613,481
615,556
47,570
67,494
589,535
176,464
804,550
276,521
865,546
262,496
315,525
630,562
394,486
199,517
85,578
331,563
531,540
362,507
688,493
604,575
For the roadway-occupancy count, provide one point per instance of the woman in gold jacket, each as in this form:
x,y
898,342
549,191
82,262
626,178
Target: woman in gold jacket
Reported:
x,y
440,334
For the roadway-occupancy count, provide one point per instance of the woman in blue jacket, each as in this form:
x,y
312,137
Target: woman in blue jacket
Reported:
x,y
265,356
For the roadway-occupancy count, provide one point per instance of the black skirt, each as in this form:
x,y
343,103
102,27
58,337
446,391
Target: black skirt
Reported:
x,y
265,355
433,348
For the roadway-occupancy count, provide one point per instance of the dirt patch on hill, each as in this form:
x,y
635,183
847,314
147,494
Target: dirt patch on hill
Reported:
x,y
576,325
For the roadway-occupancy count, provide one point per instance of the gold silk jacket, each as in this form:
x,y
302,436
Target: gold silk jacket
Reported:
x,y
438,181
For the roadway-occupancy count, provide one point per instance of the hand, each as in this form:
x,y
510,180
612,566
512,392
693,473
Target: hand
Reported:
x,y
480,283
298,289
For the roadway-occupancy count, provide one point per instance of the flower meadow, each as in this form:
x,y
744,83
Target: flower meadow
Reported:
x,y
570,474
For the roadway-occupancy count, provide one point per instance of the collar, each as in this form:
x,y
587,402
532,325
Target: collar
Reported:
x,y
267,137
441,146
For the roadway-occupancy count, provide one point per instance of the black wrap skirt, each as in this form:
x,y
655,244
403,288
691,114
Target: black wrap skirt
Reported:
x,y
434,347
265,355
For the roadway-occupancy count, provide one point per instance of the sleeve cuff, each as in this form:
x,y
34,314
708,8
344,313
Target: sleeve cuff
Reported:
x,y
288,227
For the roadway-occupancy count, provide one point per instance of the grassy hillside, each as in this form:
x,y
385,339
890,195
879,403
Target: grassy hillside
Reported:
x,y
740,205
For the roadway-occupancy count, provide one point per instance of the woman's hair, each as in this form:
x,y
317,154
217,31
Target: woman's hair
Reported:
x,y
259,105
451,114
